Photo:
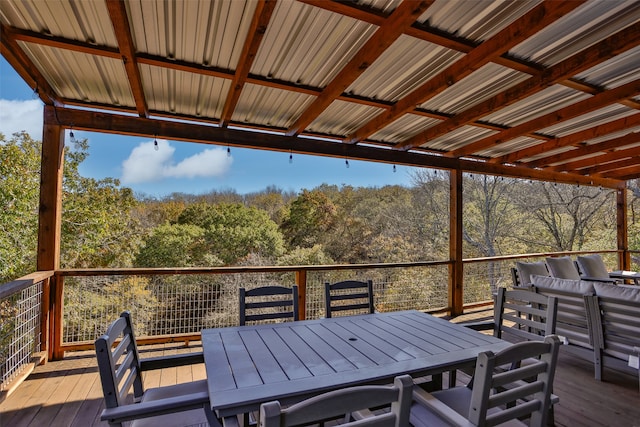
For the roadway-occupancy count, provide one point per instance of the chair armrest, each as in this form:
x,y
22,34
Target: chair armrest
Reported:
x,y
439,408
156,407
171,361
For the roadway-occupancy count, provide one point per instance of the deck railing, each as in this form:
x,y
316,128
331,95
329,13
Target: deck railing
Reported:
x,y
23,319
175,304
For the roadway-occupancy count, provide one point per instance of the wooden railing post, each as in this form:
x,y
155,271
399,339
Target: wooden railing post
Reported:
x,y
301,281
55,324
455,243
624,257
49,224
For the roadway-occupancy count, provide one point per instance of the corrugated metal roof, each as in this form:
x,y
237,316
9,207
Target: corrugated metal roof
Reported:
x,y
189,54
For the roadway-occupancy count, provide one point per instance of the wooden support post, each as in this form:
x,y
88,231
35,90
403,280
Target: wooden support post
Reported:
x,y
624,257
50,217
301,281
455,243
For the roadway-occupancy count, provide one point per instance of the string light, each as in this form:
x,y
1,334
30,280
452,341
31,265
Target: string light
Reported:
x,y
228,151
72,137
394,168
155,144
346,163
36,93
290,156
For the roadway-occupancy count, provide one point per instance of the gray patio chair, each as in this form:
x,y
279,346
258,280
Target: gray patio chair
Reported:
x,y
121,370
495,397
354,297
340,404
518,315
268,303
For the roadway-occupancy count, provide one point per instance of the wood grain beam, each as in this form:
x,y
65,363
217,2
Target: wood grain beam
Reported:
x,y
600,52
565,141
178,131
120,22
578,166
392,28
579,108
23,65
257,28
528,24
612,162
625,174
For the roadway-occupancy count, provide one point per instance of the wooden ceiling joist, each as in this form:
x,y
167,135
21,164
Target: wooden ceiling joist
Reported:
x,y
120,21
518,31
600,52
591,104
391,28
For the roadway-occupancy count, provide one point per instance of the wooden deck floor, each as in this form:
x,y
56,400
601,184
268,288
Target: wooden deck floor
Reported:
x,y
68,393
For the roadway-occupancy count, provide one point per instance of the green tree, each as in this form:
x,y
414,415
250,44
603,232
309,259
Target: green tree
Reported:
x,y
98,228
234,231
19,199
311,215
176,245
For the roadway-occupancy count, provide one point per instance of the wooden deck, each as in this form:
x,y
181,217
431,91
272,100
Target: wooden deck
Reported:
x,y
68,392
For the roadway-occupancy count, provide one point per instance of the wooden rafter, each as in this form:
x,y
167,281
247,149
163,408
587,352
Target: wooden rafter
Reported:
x,y
579,108
602,51
258,27
25,67
571,139
518,31
391,28
120,22
563,161
606,162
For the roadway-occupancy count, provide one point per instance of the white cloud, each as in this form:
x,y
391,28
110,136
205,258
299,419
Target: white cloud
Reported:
x,y
146,164
16,116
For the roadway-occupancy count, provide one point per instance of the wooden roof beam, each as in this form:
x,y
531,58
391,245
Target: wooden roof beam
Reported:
x,y
120,22
386,34
528,24
25,67
600,52
606,162
572,139
179,131
579,108
568,164
259,23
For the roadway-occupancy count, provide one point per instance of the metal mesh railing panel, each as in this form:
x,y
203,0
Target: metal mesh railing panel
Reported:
x,y
20,335
160,305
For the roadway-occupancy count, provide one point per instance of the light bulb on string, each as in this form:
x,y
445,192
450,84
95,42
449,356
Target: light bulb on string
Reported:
x,y
394,168
228,151
155,144
290,157
346,163
72,137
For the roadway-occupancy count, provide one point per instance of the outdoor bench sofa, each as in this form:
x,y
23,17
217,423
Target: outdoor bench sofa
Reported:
x,y
596,321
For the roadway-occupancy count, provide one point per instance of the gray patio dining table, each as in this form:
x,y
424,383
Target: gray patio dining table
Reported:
x,y
291,361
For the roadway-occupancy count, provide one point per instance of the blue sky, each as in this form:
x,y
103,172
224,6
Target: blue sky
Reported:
x,y
190,168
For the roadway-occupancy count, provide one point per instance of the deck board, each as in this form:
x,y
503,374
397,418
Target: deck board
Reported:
x,y
68,392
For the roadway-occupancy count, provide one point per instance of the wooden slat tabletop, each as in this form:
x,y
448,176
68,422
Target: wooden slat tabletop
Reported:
x,y
290,361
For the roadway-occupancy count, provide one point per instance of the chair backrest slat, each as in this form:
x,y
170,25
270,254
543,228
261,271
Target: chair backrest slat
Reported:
x,y
119,365
493,388
268,303
339,403
525,314
350,295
